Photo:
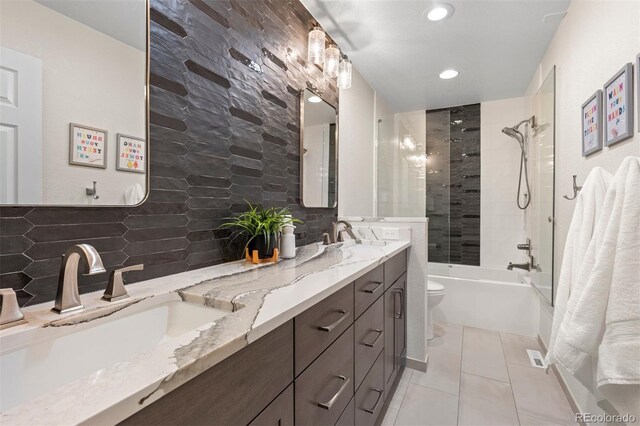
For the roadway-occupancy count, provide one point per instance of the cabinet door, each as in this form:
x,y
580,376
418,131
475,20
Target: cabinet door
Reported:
x,y
390,362
400,301
279,412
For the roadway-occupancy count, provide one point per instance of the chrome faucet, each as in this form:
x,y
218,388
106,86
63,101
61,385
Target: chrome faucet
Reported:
x,y
337,237
10,313
525,266
68,297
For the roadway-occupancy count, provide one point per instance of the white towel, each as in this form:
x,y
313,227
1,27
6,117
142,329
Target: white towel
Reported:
x,y
134,195
602,322
585,215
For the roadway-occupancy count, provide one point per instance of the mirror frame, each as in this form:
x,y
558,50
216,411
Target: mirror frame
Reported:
x,y
147,134
301,124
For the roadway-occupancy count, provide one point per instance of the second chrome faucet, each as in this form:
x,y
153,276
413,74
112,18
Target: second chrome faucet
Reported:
x,y
86,257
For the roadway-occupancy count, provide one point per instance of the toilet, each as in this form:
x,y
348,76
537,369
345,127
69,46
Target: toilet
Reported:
x,y
435,294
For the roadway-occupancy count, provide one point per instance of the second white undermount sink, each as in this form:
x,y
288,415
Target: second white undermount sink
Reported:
x,y
54,356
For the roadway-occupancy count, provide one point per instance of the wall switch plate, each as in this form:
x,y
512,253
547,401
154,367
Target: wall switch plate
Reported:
x,y
390,234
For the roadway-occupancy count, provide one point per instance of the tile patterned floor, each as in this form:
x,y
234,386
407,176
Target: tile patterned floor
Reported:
x,y
479,377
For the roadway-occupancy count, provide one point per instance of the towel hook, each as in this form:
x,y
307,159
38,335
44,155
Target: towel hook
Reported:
x,y
93,192
576,189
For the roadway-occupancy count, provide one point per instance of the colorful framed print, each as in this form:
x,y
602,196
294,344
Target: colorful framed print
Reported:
x,y
87,146
618,100
592,124
132,154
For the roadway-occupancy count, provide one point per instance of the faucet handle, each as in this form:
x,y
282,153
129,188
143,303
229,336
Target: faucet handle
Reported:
x,y
115,289
10,313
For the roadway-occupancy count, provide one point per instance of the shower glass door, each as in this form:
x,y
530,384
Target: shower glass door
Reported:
x,y
542,149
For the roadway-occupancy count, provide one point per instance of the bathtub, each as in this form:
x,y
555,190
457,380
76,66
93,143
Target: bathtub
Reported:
x,y
495,299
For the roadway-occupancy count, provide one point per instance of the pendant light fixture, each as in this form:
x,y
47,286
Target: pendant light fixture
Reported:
x,y
316,44
331,61
344,73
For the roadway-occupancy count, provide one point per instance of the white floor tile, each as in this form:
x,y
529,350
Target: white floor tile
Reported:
x,y
424,406
539,394
443,371
486,402
482,354
527,420
515,348
447,337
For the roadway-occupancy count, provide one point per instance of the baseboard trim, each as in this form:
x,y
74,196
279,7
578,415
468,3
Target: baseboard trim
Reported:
x,y
565,388
416,364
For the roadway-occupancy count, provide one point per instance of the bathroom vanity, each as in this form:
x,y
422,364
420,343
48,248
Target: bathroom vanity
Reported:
x,y
319,339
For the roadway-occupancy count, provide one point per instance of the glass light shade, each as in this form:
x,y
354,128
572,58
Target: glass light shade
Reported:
x,y
316,46
344,74
331,61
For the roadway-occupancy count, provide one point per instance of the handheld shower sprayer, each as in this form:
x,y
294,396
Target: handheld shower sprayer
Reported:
x,y
516,134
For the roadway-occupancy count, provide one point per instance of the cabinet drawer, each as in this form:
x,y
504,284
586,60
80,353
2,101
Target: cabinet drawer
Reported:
x,y
231,392
317,327
348,416
279,412
370,396
367,289
369,339
394,268
325,388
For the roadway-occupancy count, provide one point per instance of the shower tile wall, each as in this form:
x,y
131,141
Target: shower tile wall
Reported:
x,y
453,184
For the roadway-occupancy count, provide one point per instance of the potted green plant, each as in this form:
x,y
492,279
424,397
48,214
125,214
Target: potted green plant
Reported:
x,y
261,226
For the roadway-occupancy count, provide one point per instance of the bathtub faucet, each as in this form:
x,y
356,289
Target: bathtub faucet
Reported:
x,y
525,266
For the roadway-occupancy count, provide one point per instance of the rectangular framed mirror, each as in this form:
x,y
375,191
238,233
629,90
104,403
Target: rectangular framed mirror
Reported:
x,y
318,151
74,102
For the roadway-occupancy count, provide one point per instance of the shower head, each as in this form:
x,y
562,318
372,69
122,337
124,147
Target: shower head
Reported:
x,y
510,131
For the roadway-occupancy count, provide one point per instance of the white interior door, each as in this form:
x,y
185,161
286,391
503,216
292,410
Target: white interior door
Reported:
x,y
20,128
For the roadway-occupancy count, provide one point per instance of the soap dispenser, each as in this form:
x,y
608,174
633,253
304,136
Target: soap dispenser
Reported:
x,y
288,242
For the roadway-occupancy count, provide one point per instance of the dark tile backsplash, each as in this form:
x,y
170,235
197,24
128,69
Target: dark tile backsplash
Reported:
x,y
224,129
453,203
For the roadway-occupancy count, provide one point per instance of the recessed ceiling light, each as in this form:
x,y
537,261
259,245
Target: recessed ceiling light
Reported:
x,y
439,12
447,74
315,99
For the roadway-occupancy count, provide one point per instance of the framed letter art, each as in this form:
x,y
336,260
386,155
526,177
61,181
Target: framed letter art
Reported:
x,y
592,124
87,146
618,101
132,154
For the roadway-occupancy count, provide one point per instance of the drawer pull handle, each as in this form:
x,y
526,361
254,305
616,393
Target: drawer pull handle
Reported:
x,y
400,314
329,328
376,288
327,405
372,344
375,406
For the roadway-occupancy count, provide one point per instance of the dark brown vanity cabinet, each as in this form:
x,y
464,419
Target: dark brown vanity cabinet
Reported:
x,y
334,364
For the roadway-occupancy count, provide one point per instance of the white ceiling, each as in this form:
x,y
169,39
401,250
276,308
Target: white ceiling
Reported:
x,y
124,20
494,44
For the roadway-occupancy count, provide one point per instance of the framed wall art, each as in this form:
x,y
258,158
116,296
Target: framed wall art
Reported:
x,y
87,146
132,154
618,106
592,124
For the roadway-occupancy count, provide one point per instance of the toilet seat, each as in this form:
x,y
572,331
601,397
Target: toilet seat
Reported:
x,y
434,287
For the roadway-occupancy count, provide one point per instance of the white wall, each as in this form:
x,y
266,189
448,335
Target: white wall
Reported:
x,y
594,40
356,176
88,78
316,165
501,221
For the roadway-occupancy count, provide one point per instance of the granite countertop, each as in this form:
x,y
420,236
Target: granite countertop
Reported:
x,y
260,298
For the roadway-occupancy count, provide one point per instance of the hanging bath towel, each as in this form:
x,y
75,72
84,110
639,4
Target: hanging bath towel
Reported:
x,y
603,322
585,216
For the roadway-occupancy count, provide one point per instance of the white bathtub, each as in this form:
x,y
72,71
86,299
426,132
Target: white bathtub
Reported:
x,y
495,299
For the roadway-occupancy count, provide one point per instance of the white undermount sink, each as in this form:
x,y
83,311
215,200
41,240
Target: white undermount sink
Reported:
x,y
40,360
